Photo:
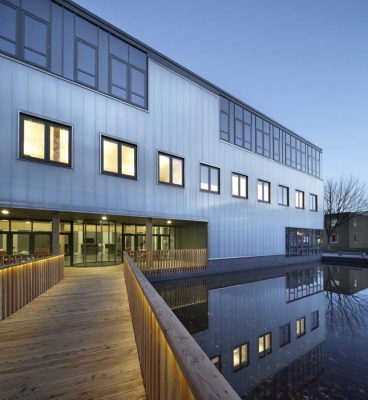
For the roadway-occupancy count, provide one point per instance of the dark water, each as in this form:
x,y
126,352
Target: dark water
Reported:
x,y
326,356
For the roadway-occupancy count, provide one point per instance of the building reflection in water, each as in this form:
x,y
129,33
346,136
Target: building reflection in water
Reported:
x,y
265,332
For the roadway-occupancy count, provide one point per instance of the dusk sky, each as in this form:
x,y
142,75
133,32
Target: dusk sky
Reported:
x,y
304,63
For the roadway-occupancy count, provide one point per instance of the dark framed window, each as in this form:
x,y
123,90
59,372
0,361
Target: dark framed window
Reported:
x,y
284,335
224,119
210,178
118,158
8,28
264,191
170,169
299,199
86,63
243,127
265,344
263,137
36,40
314,320
283,195
216,361
300,327
303,242
239,185
240,356
313,203
276,144
45,141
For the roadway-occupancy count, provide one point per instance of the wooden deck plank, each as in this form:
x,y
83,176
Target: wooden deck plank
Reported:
x,y
75,341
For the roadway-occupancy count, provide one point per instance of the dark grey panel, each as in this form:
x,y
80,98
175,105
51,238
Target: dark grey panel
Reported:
x,y
56,39
103,63
68,51
85,30
40,8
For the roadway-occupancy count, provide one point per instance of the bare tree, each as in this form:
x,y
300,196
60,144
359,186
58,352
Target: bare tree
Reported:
x,y
344,199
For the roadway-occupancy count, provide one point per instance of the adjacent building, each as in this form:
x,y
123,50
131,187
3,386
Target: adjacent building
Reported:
x,y
108,145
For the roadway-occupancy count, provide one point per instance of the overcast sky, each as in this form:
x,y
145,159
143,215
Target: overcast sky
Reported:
x,y
302,62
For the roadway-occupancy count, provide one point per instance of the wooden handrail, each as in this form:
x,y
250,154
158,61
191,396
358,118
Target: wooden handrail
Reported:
x,y
172,363
168,262
23,282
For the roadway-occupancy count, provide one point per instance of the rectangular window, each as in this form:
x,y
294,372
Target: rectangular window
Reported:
x,y
299,199
265,344
86,63
276,144
264,191
239,185
170,169
300,327
36,41
210,178
45,140
224,119
313,202
334,239
8,29
303,242
314,320
240,356
283,195
118,158
216,361
284,335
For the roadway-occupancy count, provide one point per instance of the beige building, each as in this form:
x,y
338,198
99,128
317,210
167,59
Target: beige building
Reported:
x,y
352,235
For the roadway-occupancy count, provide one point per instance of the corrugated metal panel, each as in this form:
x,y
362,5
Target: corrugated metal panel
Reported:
x,y
183,119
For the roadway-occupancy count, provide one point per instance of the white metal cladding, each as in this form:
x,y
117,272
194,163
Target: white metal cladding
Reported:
x,y
183,119
261,310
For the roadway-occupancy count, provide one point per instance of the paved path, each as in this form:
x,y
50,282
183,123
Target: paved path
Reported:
x,y
75,341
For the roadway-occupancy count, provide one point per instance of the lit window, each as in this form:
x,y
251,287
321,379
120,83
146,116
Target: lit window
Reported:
x,y
240,356
284,335
283,195
299,199
313,202
263,191
118,158
300,327
45,141
216,361
314,320
239,185
170,169
210,179
264,345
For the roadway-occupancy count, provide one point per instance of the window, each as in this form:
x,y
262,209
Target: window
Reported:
x,y
263,191
240,356
216,361
239,185
283,195
276,144
313,202
334,239
86,60
8,28
45,140
118,158
224,119
284,335
314,320
303,242
263,131
210,179
243,127
299,199
170,169
355,238
300,327
36,41
264,345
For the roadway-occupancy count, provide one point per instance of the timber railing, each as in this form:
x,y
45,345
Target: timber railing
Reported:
x,y
172,363
168,262
21,283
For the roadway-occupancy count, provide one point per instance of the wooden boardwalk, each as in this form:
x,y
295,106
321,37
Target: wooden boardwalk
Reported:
x,y
75,341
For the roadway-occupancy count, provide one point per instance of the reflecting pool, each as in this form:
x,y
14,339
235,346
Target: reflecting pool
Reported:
x,y
295,333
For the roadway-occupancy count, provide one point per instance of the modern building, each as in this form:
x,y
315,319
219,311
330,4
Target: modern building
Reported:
x,y
108,145
351,235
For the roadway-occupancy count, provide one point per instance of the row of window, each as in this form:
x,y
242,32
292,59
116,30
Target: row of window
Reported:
x,y
241,352
59,41
52,142
244,129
